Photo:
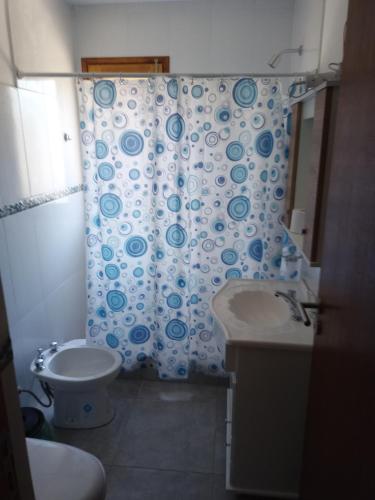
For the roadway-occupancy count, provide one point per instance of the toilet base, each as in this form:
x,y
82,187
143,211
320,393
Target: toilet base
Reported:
x,y
82,410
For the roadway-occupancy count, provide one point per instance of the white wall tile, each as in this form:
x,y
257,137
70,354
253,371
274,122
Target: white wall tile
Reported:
x,y
41,249
68,110
60,240
42,265
35,125
14,181
24,262
6,278
31,332
53,164
66,309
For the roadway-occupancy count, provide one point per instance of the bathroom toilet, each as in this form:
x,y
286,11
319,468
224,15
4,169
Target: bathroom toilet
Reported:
x,y
62,472
79,375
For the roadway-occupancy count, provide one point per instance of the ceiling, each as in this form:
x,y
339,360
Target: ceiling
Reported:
x,y
103,2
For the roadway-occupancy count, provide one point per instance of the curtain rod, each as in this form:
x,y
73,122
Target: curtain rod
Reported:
x,y
24,74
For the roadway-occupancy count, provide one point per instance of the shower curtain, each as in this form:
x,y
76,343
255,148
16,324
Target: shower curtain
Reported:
x,y
184,188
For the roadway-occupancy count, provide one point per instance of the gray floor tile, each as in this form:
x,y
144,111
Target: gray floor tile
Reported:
x,y
166,440
122,388
73,437
125,483
180,391
101,441
169,435
219,492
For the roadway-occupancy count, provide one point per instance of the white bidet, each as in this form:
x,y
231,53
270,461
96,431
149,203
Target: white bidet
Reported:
x,y
79,375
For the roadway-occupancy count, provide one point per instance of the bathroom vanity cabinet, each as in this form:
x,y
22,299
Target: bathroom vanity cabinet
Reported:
x,y
266,405
268,359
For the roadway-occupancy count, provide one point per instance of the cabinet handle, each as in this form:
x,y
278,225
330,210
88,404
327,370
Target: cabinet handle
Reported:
x,y
226,421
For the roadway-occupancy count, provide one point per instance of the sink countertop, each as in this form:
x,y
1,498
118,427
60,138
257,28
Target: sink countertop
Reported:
x,y
288,335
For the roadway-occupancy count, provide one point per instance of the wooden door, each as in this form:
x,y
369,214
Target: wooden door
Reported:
x,y
339,461
15,479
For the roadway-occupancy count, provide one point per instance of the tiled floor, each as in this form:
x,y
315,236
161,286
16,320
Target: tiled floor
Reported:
x,y
165,443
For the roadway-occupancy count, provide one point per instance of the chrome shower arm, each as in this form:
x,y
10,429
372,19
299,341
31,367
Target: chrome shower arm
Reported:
x,y
275,59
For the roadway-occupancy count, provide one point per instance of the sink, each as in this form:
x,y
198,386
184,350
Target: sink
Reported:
x,y
248,312
259,308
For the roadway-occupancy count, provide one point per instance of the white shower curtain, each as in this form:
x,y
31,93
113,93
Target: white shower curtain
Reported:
x,y
185,183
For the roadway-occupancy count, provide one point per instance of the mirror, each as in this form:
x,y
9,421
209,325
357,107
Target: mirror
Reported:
x,y
313,118
298,216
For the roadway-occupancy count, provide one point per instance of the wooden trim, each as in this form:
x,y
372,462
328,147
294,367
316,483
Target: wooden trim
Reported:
x,y
163,62
15,477
293,160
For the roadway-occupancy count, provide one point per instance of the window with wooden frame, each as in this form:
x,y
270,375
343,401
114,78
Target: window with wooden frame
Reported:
x,y
152,64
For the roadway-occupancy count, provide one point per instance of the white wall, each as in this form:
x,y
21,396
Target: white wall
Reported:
x,y
307,23
335,16
6,63
318,25
199,36
42,248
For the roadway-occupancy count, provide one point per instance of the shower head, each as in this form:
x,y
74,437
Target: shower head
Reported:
x,y
275,59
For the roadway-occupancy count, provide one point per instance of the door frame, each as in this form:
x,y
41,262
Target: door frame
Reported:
x,y
16,482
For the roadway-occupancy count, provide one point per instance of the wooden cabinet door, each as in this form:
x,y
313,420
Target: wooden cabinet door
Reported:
x,y
339,458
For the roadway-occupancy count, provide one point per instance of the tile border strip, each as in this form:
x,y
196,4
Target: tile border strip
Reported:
x,y
37,200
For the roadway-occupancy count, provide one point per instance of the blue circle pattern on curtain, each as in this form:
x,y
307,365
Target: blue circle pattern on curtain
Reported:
x,y
184,189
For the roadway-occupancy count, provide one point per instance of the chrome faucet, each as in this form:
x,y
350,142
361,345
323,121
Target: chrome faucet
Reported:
x,y
291,298
40,353
53,346
298,308
39,364
39,360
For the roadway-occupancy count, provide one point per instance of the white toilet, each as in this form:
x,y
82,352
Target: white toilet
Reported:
x,y
62,472
79,375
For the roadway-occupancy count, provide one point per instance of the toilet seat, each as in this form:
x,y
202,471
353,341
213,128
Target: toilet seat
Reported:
x,y
61,472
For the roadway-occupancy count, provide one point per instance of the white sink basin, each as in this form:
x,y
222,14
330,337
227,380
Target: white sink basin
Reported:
x,y
248,312
259,308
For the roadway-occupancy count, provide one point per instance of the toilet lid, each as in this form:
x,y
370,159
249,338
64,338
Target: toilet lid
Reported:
x,y
62,472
